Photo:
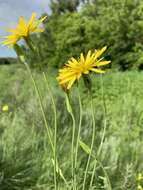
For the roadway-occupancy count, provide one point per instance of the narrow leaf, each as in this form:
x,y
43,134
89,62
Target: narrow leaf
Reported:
x,y
85,147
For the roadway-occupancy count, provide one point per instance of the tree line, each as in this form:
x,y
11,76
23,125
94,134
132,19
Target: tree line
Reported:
x,y
75,26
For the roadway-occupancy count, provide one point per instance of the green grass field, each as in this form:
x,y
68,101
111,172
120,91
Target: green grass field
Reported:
x,y
25,156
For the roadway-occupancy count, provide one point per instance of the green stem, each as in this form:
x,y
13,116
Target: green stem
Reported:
x,y
104,131
72,150
79,130
92,143
30,45
73,139
41,105
105,117
21,56
45,121
55,129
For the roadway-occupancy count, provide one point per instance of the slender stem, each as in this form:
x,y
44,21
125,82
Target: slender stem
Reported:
x,y
45,121
92,143
41,106
69,108
104,131
72,151
21,56
30,44
79,130
105,117
55,129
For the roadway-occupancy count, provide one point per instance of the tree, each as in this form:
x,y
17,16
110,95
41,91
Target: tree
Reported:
x,y
62,6
115,23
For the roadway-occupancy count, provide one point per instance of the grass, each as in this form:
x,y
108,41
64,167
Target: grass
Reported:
x,y
25,155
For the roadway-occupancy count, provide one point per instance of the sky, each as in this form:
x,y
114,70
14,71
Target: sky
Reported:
x,y
11,10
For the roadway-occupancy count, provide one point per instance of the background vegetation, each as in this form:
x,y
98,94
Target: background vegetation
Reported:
x,y
115,23
24,153
73,27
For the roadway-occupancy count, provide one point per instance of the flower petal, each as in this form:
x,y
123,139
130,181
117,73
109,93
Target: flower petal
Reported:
x,y
32,19
97,70
101,63
98,53
71,83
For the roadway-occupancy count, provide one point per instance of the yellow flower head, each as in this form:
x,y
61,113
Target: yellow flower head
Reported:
x,y
5,108
74,69
23,29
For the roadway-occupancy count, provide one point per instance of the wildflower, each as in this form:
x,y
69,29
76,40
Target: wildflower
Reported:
x,y
23,30
74,69
5,108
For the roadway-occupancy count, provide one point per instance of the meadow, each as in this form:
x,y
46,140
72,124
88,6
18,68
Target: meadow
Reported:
x,y
25,154
71,101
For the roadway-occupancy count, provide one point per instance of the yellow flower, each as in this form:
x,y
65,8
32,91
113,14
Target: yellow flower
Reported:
x,y
74,69
5,108
23,29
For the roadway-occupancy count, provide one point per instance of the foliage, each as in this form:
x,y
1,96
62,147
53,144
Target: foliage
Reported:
x,y
115,23
25,158
62,6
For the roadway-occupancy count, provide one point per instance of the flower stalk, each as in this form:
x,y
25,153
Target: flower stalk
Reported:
x,y
69,108
78,134
92,142
55,128
104,130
